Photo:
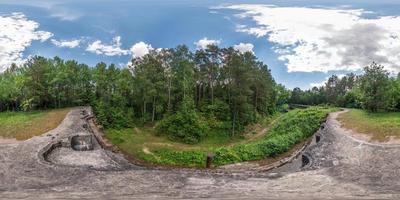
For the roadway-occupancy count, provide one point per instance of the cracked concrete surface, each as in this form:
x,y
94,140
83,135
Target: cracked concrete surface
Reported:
x,y
341,168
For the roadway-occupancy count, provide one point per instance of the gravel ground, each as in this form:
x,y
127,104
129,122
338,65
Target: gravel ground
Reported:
x,y
341,167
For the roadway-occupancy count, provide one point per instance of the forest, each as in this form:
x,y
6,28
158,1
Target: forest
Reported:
x,y
182,93
374,90
186,92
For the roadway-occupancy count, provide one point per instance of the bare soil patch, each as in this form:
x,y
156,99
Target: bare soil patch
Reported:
x,y
22,126
8,141
378,128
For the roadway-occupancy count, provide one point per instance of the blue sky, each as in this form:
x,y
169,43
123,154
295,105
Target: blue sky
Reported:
x,y
303,42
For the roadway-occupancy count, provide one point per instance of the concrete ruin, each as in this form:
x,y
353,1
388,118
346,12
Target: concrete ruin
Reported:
x,y
69,163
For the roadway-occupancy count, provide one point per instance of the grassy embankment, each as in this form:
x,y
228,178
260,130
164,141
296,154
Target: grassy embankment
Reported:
x,y
273,138
379,127
24,125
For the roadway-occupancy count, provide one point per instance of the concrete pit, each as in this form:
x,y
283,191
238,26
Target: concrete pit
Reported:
x,y
82,142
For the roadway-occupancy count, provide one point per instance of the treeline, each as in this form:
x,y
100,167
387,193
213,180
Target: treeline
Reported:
x,y
45,83
211,88
374,90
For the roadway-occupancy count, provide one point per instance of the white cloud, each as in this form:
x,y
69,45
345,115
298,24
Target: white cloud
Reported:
x,y
322,83
203,43
113,49
244,47
16,34
64,13
325,39
56,9
66,43
140,49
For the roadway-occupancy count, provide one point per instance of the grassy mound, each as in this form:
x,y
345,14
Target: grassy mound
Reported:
x,y
379,126
284,133
291,129
24,125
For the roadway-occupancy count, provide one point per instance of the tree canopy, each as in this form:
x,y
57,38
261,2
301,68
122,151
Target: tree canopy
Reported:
x,y
184,93
215,87
375,90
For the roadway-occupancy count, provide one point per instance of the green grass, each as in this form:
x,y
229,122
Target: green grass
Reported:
x,y
145,145
379,126
24,125
258,142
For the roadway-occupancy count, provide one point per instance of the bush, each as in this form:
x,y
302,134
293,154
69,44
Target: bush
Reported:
x,y
291,129
185,125
112,116
219,110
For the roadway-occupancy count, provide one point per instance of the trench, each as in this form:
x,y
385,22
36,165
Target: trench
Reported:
x,y
304,160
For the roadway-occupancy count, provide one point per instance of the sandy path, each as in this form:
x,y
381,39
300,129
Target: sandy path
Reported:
x,y
8,141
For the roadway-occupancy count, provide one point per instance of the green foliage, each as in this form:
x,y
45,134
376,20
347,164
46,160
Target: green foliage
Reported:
x,y
375,90
176,158
112,116
287,131
291,129
219,110
352,99
185,125
374,87
230,89
394,94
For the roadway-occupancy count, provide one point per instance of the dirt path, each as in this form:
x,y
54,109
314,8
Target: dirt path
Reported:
x,y
261,133
360,137
342,167
8,141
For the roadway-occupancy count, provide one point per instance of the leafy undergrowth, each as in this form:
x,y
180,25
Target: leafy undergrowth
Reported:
x,y
284,133
24,125
379,126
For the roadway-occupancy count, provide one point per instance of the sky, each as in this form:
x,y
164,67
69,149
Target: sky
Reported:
x,y
303,42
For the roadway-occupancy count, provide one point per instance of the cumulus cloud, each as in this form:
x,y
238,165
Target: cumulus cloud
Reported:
x,y
324,39
244,47
203,43
66,43
140,49
17,33
113,49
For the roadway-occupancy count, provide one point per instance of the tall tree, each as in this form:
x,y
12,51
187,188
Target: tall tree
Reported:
x,y
374,86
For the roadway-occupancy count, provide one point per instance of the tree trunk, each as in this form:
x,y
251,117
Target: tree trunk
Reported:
x,y
256,100
169,95
154,109
212,93
204,91
233,123
199,95
144,108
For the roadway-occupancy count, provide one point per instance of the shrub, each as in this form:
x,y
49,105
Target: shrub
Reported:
x,y
291,129
185,125
112,116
